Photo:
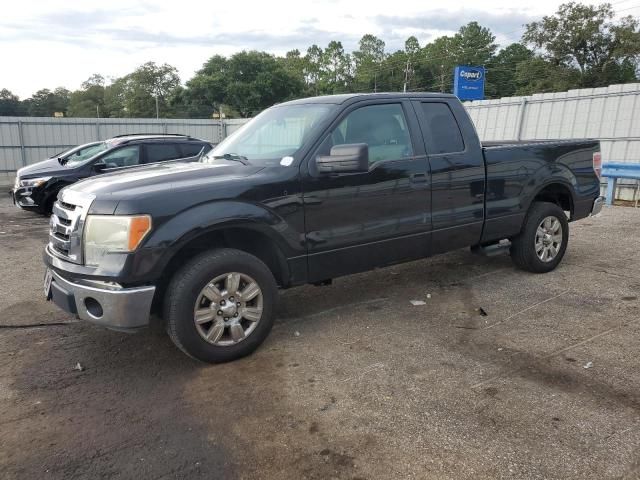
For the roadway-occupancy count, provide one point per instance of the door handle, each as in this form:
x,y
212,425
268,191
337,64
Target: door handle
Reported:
x,y
418,177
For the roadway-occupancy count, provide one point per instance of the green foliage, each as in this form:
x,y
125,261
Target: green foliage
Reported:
x,y
248,82
578,46
588,38
44,103
148,84
501,70
10,104
89,101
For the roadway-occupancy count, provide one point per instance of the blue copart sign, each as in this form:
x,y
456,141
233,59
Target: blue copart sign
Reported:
x,y
468,82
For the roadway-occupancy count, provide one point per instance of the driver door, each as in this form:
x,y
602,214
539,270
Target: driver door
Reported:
x,y
358,221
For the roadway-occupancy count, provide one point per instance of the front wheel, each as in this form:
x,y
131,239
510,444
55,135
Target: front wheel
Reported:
x,y
220,305
541,244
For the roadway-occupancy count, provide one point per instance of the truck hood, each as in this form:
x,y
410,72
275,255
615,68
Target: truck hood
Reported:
x,y
137,181
142,187
49,167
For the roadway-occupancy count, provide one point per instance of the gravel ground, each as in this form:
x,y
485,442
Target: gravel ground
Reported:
x,y
354,382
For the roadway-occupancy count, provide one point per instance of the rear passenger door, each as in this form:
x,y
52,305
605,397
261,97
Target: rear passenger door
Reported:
x,y
161,152
457,174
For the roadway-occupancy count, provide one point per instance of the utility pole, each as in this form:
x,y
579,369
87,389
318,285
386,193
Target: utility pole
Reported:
x,y
157,108
375,83
406,77
97,111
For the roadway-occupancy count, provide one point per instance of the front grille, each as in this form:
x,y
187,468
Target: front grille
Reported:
x,y
66,224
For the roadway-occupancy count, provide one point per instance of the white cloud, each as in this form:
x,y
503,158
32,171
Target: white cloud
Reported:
x,y
51,43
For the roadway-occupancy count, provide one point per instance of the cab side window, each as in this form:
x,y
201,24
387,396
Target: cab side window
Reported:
x,y
382,127
193,149
441,129
122,157
160,152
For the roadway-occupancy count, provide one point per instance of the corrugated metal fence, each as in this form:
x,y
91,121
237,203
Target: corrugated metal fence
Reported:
x,y
610,114
25,140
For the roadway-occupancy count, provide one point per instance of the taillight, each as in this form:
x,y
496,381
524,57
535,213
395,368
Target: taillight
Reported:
x,y
597,163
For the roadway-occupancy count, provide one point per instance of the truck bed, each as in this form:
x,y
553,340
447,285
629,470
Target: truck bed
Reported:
x,y
517,169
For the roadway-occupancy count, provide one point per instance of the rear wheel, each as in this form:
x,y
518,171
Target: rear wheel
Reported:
x,y
541,244
220,306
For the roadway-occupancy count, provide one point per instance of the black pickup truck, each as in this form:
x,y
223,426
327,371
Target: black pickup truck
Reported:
x,y
307,191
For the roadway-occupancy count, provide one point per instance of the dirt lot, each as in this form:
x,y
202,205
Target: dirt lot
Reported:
x,y
354,382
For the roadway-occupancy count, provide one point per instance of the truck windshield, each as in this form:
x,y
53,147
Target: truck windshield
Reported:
x,y
277,132
82,154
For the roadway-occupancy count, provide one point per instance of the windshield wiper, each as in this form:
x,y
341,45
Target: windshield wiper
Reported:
x,y
235,157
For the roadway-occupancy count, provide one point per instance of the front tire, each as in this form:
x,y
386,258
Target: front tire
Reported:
x,y
541,245
220,306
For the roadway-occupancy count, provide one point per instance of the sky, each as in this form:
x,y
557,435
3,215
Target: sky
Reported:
x,y
52,43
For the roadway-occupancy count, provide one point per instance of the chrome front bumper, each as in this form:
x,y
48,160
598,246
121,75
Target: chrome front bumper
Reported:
x,y
104,304
597,206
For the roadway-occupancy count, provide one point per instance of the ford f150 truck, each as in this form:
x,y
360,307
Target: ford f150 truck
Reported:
x,y
307,191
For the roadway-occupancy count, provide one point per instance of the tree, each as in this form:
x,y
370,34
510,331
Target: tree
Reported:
x,y
295,65
501,70
471,45
207,90
588,38
335,73
367,62
10,104
313,68
89,101
441,59
474,44
257,81
114,98
150,83
538,75
44,103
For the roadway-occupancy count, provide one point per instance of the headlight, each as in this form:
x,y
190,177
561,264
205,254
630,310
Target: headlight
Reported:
x,y
110,233
34,182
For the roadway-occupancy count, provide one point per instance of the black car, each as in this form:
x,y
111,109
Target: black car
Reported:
x,y
37,185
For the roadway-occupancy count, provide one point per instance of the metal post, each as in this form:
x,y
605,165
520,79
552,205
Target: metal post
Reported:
x,y
520,122
23,153
406,78
97,129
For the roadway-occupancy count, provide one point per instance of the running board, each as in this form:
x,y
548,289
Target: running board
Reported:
x,y
493,249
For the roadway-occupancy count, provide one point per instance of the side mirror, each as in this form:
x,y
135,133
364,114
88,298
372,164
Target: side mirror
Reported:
x,y
351,158
99,166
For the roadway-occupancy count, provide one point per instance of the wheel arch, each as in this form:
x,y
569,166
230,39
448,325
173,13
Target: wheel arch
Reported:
x,y
557,191
250,238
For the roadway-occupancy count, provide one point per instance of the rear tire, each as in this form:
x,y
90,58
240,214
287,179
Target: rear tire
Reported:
x,y
541,245
220,306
